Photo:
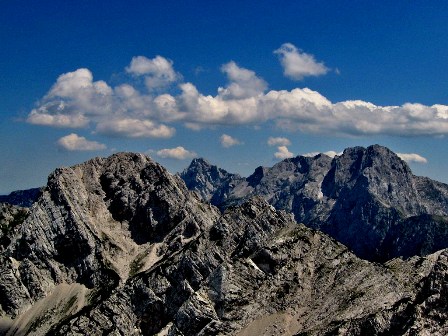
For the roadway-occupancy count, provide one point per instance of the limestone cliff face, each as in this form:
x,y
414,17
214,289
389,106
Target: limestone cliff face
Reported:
x,y
366,198
119,246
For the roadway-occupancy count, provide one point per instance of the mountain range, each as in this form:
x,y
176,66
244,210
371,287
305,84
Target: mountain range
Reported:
x,y
119,246
366,198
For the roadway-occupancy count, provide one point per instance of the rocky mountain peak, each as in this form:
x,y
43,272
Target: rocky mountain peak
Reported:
x,y
375,170
199,167
100,223
208,180
199,162
373,160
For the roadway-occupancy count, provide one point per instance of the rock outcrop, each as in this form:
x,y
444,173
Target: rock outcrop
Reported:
x,y
119,246
366,198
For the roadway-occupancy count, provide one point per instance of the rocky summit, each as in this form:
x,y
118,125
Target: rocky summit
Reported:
x,y
366,198
119,246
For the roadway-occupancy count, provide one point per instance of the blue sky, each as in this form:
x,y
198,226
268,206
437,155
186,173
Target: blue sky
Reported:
x,y
219,79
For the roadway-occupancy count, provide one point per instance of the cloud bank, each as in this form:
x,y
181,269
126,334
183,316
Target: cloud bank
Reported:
x,y
76,100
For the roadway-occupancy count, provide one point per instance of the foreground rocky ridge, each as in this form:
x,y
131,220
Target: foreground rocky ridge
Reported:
x,y
366,198
119,246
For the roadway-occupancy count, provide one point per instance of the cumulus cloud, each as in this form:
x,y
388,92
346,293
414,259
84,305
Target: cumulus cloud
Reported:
x,y
331,154
158,72
297,64
244,83
178,153
76,100
279,141
412,157
283,153
228,141
72,100
74,142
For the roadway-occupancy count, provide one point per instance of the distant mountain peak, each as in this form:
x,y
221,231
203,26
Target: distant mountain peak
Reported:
x,y
207,179
199,162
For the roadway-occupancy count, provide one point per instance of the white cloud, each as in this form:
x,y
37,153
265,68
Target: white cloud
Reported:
x,y
278,141
313,113
412,157
283,153
74,142
331,154
228,141
76,101
158,72
178,153
297,64
134,128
